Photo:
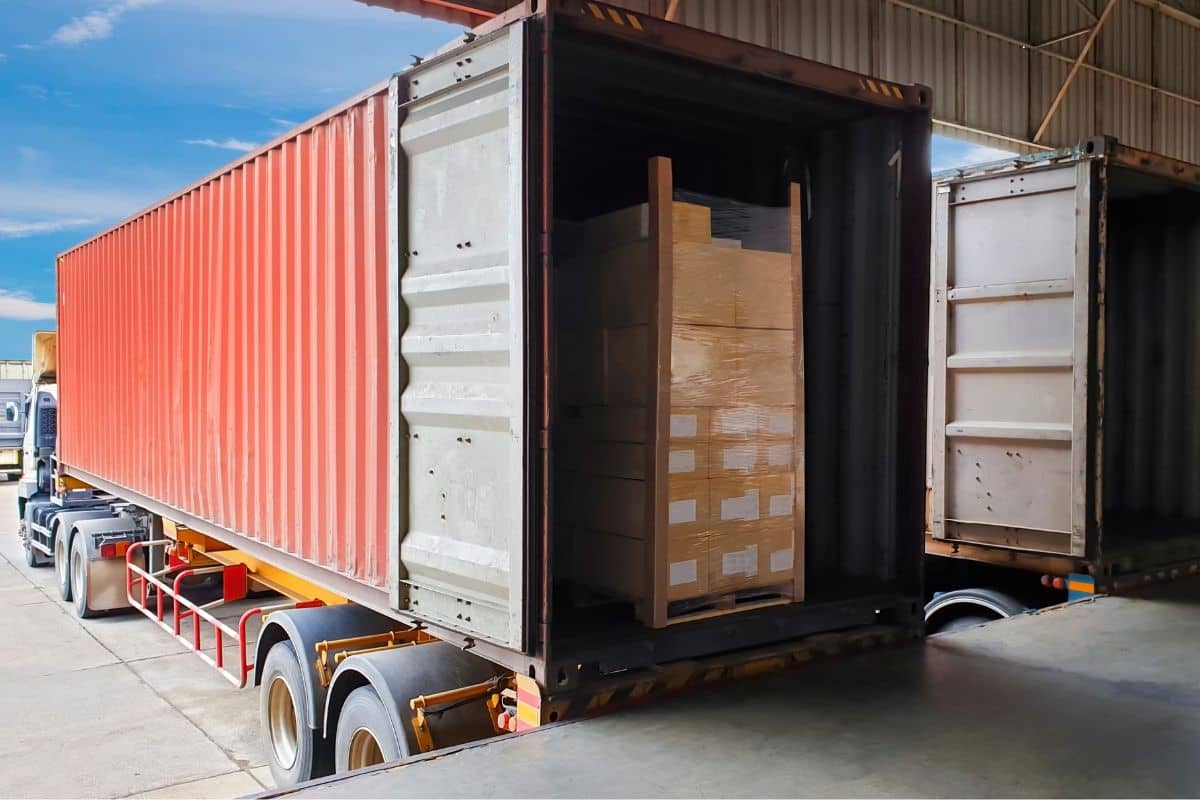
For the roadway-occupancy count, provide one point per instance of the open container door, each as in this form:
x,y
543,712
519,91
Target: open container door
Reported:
x,y
1009,357
458,256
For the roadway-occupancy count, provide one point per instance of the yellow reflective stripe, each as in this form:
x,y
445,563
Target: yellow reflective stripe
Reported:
x,y
529,715
596,12
873,86
615,17
634,22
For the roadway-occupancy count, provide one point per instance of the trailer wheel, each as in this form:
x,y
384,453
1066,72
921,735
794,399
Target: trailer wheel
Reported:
x,y
290,746
79,578
965,608
62,565
364,733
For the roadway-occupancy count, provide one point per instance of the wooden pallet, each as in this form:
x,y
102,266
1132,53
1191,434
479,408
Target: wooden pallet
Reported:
x,y
715,605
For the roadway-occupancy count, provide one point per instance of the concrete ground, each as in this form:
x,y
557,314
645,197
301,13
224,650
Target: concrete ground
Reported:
x,y
110,707
1100,699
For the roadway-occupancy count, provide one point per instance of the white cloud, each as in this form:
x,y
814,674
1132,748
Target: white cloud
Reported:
x,y
27,153
3,57
28,47
24,203
284,123
21,305
97,24
239,145
17,229
35,91
977,154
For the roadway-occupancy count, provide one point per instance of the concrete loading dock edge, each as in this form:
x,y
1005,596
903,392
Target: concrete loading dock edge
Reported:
x,y
1044,704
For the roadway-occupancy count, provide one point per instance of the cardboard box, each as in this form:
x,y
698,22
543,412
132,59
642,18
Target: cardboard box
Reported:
x,y
623,281
613,564
751,498
750,556
687,504
702,284
687,565
688,459
689,222
704,365
689,424
581,366
612,424
600,503
765,371
578,453
762,289
626,366
751,421
741,457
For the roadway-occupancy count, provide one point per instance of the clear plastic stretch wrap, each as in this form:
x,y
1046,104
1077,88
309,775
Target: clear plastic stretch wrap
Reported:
x,y
729,494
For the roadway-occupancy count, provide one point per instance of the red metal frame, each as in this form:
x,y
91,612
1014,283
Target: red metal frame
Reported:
x,y
183,609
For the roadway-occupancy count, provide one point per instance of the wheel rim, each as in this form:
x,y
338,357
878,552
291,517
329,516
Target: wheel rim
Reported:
x,y
364,750
60,564
281,722
77,568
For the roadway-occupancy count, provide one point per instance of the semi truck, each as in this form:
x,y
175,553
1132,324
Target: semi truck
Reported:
x,y
1063,451
335,370
14,387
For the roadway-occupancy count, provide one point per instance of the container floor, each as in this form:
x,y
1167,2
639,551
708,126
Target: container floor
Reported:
x,y
1099,699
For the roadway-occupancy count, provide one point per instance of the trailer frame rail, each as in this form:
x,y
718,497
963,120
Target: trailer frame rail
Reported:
x,y
152,604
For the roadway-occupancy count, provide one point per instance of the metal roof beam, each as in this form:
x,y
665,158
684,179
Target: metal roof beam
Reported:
x,y
1047,53
1062,90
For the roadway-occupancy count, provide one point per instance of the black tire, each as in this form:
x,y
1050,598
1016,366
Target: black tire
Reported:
x,y
365,736
288,739
79,579
62,565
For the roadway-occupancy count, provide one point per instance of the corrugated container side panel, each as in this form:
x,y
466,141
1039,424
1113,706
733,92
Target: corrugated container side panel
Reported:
x,y
225,352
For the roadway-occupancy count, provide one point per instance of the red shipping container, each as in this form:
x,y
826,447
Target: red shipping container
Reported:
x,y
224,352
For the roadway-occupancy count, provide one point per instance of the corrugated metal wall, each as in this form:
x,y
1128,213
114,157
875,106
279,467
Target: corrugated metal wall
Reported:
x,y
225,352
981,59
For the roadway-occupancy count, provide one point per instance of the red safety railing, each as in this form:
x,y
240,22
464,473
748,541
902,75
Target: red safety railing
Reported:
x,y
235,582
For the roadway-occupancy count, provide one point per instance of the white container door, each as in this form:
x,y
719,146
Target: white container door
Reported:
x,y
1009,360
459,254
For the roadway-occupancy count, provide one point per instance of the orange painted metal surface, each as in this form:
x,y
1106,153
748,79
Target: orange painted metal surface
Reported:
x,y
225,352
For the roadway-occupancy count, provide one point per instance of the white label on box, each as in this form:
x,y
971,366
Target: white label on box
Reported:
x,y
740,459
683,426
683,572
744,507
779,455
781,560
681,511
780,422
734,420
734,563
681,461
780,505
741,562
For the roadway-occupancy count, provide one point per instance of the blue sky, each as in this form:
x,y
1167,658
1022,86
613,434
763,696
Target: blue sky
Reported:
x,y
108,105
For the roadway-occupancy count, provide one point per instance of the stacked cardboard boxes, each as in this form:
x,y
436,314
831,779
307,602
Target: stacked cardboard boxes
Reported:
x,y
731,445
732,374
